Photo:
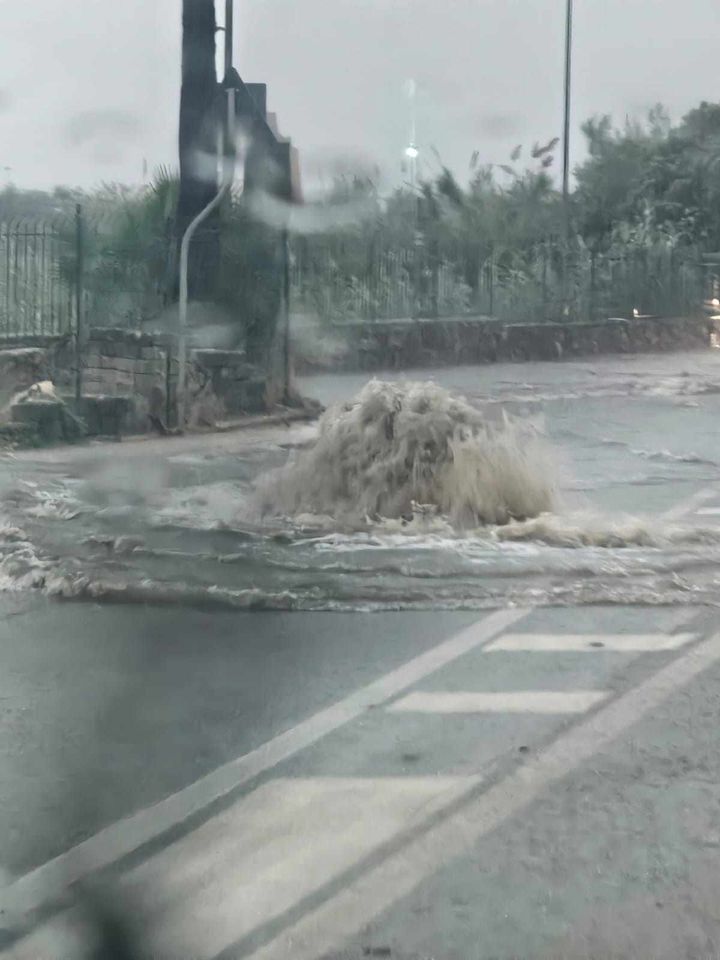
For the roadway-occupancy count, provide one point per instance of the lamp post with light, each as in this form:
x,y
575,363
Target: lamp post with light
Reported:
x,y
412,153
566,154
567,101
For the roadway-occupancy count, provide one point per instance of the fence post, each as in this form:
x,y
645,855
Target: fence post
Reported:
x,y
8,274
79,288
491,285
169,406
285,240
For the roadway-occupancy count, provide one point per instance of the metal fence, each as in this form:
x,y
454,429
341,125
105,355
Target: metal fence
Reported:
x,y
52,273
392,284
101,269
38,279
540,285
585,286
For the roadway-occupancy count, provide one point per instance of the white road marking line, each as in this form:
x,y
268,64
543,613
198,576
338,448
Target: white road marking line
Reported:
x,y
272,849
591,643
690,505
516,701
125,836
61,938
330,925
257,859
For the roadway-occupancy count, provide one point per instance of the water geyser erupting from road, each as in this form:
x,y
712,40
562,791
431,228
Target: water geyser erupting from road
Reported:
x,y
397,449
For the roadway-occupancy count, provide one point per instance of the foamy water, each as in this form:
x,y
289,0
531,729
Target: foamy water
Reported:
x,y
404,498
397,449
178,555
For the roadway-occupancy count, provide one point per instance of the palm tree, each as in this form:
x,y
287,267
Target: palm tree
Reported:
x,y
127,242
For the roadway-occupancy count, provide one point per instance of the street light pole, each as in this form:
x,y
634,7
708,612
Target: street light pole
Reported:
x,y
412,153
566,136
566,160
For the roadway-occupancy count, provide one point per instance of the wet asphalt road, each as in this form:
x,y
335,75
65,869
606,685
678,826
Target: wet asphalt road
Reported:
x,y
107,710
374,840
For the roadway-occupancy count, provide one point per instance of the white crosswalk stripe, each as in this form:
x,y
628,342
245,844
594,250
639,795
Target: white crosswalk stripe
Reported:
x,y
516,701
288,838
589,643
121,838
333,922
689,507
274,848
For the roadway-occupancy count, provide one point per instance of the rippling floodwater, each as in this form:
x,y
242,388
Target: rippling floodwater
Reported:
x,y
631,439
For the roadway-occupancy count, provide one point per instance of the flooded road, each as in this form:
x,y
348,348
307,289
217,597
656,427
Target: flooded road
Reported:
x,y
633,443
141,718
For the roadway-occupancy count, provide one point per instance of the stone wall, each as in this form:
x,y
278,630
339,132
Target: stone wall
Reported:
x,y
20,368
426,343
126,363
238,386
130,364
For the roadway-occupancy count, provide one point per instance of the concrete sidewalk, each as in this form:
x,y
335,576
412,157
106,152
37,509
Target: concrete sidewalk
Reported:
x,y
271,426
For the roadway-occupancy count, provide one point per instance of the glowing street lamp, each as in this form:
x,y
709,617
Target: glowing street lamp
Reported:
x,y
412,153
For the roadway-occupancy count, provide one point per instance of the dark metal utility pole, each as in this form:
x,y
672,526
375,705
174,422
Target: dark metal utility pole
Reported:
x,y
229,9
198,143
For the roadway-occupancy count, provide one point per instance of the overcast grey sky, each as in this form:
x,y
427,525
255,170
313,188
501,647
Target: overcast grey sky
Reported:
x,y
88,88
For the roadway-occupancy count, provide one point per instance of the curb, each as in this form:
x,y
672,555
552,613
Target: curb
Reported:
x,y
262,420
286,419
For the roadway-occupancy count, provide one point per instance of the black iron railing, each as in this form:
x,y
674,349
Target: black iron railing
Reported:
x,y
38,264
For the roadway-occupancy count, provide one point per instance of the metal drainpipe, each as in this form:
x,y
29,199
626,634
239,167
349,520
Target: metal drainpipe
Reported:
x,y
228,177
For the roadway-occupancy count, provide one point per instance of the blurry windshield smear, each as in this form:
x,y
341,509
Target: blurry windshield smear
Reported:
x,y
359,480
